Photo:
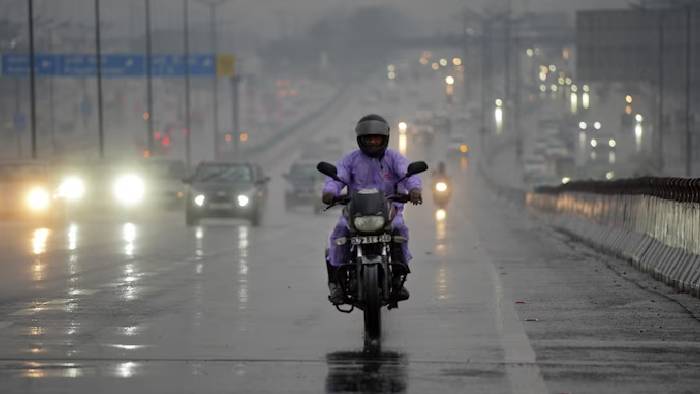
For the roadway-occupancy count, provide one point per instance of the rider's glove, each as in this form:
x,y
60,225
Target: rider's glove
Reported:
x,y
328,198
415,196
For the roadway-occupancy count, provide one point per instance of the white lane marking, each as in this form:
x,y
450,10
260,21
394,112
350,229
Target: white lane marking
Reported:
x,y
521,363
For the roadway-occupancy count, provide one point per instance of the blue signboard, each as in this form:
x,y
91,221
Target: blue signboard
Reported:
x,y
113,65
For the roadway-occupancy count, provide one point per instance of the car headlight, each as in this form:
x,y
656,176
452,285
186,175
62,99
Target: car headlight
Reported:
x,y
71,189
243,200
129,189
441,187
38,199
199,200
368,223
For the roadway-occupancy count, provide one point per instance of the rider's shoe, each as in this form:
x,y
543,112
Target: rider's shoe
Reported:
x,y
336,294
403,293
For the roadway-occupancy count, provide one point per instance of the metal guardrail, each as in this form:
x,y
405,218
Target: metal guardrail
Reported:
x,y
676,189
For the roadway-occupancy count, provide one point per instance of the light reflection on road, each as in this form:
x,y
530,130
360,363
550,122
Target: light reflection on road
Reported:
x,y
129,236
127,369
243,267
440,250
131,274
40,236
72,236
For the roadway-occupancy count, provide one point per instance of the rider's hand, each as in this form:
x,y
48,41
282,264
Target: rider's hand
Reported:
x,y
415,196
328,198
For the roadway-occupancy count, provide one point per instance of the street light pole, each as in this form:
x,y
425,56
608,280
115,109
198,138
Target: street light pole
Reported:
x,y
149,80
235,80
660,94
215,90
507,72
188,131
98,56
485,70
688,82
32,78
52,114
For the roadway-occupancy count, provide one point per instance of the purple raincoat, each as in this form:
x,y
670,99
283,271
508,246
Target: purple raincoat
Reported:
x,y
363,172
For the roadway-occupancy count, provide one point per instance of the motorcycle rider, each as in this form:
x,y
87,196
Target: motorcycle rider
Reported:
x,y
373,165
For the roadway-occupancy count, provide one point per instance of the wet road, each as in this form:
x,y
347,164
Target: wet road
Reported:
x,y
499,304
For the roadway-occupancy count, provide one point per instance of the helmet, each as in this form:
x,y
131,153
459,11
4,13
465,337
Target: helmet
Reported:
x,y
372,125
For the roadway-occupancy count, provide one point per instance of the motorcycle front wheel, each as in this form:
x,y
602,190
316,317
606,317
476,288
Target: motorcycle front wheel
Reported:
x,y
372,304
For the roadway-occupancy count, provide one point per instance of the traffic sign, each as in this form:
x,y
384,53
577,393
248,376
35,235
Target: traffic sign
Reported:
x,y
113,65
225,65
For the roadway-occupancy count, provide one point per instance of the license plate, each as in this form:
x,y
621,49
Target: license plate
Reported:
x,y
372,239
220,206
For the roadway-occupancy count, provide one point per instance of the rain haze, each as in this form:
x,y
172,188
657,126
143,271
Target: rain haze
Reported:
x,y
397,196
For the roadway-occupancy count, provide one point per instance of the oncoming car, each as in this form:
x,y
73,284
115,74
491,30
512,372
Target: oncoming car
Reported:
x,y
26,190
304,184
99,187
223,189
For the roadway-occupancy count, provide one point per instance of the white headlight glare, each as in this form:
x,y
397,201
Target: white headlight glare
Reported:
x,y
199,200
72,188
368,223
38,199
243,200
129,189
441,186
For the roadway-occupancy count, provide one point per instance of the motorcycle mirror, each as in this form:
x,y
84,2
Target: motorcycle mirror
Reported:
x,y
416,168
328,170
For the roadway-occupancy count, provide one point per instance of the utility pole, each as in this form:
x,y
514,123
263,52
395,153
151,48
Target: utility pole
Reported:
x,y
188,122
98,55
149,80
32,78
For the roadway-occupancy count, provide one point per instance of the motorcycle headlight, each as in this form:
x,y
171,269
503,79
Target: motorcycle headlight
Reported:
x,y
71,189
199,200
441,186
129,189
38,199
243,200
368,223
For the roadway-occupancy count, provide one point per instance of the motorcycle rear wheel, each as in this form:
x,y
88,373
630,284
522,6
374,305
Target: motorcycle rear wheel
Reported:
x,y
372,304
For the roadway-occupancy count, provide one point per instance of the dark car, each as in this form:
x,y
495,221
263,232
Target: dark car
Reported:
x,y
222,189
304,185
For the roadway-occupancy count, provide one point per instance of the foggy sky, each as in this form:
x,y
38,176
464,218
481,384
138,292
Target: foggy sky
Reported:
x,y
277,18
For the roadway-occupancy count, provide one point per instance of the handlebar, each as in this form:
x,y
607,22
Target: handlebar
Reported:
x,y
345,199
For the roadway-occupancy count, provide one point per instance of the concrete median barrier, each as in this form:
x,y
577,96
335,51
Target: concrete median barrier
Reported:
x,y
652,222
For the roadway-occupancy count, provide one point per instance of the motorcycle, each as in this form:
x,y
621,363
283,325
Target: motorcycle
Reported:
x,y
442,192
370,280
